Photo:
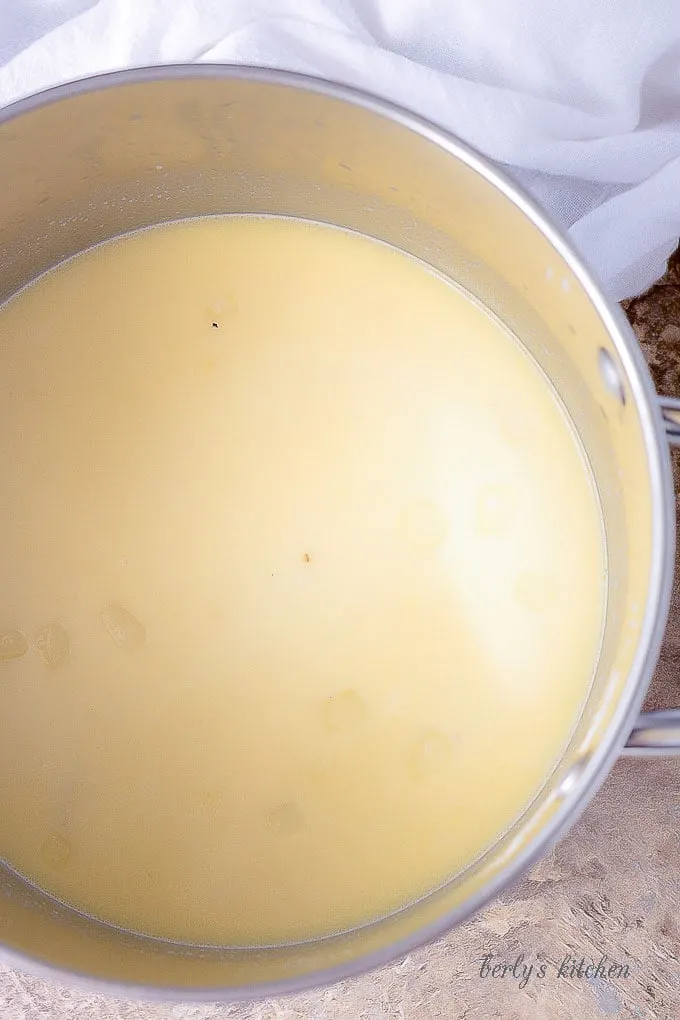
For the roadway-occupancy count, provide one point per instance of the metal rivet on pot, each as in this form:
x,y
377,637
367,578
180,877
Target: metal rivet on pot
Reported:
x,y
572,778
610,375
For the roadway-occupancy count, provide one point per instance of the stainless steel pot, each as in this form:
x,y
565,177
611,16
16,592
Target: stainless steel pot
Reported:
x,y
87,161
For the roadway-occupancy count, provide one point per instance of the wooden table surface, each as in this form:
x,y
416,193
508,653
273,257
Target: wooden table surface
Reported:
x,y
609,893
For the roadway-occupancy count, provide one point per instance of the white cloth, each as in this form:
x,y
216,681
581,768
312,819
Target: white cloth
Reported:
x,y
579,99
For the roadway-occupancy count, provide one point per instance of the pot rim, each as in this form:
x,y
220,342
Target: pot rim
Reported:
x,y
590,777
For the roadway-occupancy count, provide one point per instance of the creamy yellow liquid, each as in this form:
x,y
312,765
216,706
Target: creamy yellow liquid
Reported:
x,y
302,581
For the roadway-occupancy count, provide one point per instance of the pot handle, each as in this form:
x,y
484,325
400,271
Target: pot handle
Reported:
x,y
670,412
657,733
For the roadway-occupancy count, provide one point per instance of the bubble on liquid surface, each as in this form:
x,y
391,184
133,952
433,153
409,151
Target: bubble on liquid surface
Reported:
x,y
286,819
535,590
55,850
53,644
123,628
13,644
494,509
424,525
344,711
212,798
430,754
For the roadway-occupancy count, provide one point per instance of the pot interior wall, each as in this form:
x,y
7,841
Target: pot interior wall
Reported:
x,y
97,163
